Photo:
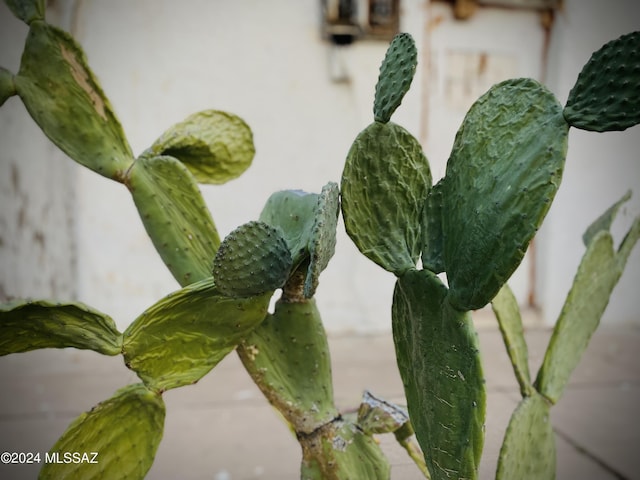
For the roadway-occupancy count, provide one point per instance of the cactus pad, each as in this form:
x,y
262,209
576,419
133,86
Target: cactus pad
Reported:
x,y
439,362
29,325
179,339
252,260
506,309
215,146
598,273
396,73
124,431
175,216
287,356
27,10
529,450
7,86
504,170
606,95
432,240
385,182
64,98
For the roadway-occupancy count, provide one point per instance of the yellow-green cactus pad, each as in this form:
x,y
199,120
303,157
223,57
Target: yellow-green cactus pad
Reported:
x,y
65,99
529,449
599,271
252,260
504,170
384,186
27,10
175,216
117,438
396,73
183,336
32,324
439,363
7,85
606,95
215,146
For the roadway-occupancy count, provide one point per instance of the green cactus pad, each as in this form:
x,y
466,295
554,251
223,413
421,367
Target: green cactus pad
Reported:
x,y
287,356
340,450
396,73
29,325
376,415
529,450
322,244
183,336
606,95
503,172
252,260
604,221
432,239
124,432
506,309
597,275
64,98
439,363
175,216
27,10
215,146
7,85
385,182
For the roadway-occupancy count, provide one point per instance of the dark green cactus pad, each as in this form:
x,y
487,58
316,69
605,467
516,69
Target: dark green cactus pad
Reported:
x,y
340,450
506,309
29,325
599,271
124,432
439,362
504,170
396,73
252,260
215,146
529,449
432,239
183,336
27,10
7,85
287,356
175,216
64,98
385,182
322,242
606,95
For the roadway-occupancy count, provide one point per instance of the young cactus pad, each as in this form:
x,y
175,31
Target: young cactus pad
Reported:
x,y
252,260
606,95
439,362
504,170
64,98
396,73
124,431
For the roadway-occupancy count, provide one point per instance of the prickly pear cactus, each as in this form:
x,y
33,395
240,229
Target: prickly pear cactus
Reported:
x,y
27,10
7,86
252,260
504,170
396,73
124,433
606,95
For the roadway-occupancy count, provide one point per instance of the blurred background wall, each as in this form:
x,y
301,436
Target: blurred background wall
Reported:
x,y
68,233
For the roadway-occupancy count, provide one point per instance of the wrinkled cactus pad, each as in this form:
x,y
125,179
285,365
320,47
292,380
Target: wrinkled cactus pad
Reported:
x,y
396,73
65,99
215,146
124,431
504,170
439,363
385,183
529,449
606,95
29,325
27,10
175,216
252,260
183,336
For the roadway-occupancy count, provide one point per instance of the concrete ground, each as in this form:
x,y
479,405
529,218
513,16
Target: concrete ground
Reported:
x,y
223,429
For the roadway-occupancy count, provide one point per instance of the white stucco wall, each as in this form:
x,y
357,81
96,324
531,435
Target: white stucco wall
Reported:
x,y
161,60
